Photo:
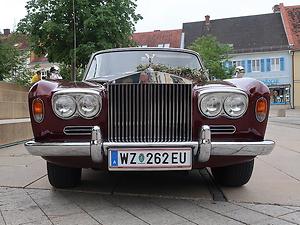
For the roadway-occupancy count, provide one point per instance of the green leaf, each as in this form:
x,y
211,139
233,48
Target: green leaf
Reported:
x,y
213,54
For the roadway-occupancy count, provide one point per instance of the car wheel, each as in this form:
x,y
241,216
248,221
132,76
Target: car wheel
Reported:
x,y
234,175
63,177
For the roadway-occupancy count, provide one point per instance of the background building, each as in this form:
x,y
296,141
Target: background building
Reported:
x,y
260,46
291,20
158,38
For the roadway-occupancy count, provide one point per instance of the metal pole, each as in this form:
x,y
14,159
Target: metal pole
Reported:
x,y
74,33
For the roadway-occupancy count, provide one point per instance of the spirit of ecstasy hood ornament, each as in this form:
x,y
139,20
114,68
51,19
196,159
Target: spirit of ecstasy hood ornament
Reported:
x,y
150,58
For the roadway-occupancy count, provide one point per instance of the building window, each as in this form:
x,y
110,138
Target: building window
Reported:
x,y
237,63
275,64
164,45
255,64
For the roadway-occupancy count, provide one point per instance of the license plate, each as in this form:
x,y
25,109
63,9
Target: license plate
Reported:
x,y
150,159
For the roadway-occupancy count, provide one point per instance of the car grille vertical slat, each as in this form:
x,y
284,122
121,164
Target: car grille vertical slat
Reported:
x,y
158,122
150,112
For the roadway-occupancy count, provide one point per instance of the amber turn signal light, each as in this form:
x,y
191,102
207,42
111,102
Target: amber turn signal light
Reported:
x,y
38,110
261,109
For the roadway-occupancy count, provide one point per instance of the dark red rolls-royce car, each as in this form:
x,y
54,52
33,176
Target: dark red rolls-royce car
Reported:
x,y
146,109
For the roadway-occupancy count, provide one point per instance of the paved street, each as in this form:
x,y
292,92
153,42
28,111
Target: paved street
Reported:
x,y
271,197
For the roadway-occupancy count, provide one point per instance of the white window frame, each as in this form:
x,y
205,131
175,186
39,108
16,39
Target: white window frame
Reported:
x,y
275,64
166,45
255,65
237,63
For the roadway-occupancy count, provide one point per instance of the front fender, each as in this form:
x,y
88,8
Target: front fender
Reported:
x,y
247,127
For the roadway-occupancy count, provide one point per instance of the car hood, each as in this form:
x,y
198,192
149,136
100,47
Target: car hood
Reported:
x,y
151,76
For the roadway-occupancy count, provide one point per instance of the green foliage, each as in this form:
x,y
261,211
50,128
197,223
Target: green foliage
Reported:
x,y
8,56
13,63
100,24
213,54
66,70
197,76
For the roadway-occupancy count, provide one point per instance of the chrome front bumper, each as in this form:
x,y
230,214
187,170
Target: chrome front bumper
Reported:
x,y
202,150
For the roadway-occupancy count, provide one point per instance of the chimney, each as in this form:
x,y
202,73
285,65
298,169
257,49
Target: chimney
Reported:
x,y
207,21
6,32
276,9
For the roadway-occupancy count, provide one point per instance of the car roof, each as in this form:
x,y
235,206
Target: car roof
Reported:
x,y
148,49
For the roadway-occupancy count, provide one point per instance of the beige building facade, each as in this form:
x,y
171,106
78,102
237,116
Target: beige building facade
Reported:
x,y
297,79
291,19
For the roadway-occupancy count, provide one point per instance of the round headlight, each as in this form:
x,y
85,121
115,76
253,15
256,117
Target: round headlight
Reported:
x,y
88,106
211,105
64,106
235,105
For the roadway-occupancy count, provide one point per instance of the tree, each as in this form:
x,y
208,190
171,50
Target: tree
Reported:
x,y
100,24
213,54
8,60
13,61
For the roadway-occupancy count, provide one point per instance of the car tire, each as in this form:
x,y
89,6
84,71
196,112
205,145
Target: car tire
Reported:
x,y
63,177
234,175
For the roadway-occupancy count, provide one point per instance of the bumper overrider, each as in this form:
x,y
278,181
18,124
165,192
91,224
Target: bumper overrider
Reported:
x,y
202,149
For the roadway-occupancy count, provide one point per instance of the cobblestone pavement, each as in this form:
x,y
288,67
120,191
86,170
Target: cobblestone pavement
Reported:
x,y
271,197
31,206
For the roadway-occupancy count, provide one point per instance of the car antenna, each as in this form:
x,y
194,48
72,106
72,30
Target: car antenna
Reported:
x,y
74,49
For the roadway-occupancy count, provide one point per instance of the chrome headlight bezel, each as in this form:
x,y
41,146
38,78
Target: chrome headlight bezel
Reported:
x,y
77,95
209,99
229,109
66,97
95,111
222,94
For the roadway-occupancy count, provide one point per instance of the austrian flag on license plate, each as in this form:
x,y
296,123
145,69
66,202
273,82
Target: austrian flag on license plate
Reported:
x,y
150,159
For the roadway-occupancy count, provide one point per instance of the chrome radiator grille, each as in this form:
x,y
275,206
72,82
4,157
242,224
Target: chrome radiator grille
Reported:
x,y
150,112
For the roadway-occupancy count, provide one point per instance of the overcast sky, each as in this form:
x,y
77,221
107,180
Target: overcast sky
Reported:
x,y
164,14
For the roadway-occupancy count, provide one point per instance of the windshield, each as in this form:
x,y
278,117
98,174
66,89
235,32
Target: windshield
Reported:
x,y
107,66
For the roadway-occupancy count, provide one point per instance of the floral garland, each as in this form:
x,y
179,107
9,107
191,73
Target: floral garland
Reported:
x,y
197,76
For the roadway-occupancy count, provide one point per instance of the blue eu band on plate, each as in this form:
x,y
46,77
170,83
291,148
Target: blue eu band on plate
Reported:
x,y
152,159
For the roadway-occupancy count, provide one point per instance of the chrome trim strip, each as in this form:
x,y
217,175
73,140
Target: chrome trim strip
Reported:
x,y
177,125
184,113
155,104
223,90
76,91
58,149
222,129
242,148
78,130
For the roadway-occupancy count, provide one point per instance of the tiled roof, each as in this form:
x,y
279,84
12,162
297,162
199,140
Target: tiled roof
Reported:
x,y
291,18
37,59
18,43
23,45
246,34
154,38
